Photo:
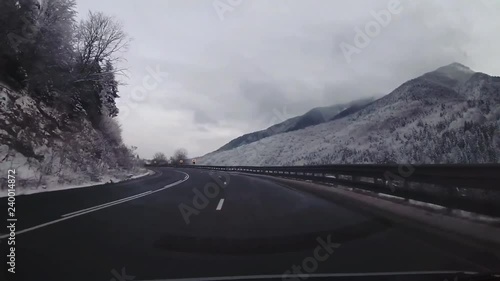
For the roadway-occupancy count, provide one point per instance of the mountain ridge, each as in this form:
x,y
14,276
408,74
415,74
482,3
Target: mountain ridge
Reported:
x,y
312,117
427,119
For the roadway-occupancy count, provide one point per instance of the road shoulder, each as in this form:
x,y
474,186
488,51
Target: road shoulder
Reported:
x,y
481,236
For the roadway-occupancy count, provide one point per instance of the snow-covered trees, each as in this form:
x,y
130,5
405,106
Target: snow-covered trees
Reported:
x,y
43,48
38,38
111,129
99,40
49,60
109,91
64,77
11,36
159,157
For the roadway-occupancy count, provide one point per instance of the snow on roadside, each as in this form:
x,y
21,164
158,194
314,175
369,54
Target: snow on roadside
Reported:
x,y
105,179
46,155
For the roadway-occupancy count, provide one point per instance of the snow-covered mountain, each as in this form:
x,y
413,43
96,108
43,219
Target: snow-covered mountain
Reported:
x,y
450,115
313,117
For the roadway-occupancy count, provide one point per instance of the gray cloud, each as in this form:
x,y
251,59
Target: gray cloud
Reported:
x,y
201,118
282,57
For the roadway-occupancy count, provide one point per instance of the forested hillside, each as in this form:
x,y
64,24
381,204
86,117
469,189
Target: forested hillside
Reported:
x,y
450,115
58,85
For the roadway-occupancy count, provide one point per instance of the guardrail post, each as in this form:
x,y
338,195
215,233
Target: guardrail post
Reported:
x,y
406,189
450,195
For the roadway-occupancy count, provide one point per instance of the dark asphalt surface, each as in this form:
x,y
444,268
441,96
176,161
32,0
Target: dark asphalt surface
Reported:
x,y
262,227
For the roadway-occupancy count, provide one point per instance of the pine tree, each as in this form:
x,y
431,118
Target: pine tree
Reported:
x,y
109,90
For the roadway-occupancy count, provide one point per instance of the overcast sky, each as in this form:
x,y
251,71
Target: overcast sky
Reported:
x,y
228,67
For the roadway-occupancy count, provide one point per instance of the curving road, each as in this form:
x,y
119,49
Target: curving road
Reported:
x,y
181,223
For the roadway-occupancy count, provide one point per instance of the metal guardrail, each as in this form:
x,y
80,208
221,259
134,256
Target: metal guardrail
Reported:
x,y
474,188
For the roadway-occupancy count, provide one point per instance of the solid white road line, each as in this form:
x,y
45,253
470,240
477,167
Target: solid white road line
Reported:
x,y
286,276
96,208
68,217
109,203
219,207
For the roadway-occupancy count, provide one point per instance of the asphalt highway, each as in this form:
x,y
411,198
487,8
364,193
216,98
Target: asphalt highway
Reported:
x,y
190,223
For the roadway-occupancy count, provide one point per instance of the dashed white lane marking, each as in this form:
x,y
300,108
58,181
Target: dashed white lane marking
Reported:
x,y
219,207
96,208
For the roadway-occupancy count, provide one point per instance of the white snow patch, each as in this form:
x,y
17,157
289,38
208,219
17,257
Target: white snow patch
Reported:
x,y
390,196
428,205
474,216
105,179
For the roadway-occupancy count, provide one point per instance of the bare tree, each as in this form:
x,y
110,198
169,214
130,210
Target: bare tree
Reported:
x,y
159,157
99,39
180,154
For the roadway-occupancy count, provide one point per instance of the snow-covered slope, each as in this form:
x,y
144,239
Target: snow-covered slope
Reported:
x,y
451,115
313,117
48,150
452,75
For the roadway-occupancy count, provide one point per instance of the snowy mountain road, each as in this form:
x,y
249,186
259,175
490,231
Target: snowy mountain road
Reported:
x,y
181,223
